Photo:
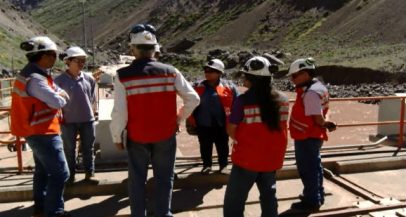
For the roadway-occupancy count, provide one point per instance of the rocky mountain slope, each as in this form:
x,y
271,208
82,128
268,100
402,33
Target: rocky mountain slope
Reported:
x,y
352,33
16,26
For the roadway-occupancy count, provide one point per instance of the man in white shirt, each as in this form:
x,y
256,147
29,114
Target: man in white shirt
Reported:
x,y
145,106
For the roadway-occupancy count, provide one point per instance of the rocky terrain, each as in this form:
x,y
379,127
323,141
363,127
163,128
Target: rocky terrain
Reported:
x,y
359,45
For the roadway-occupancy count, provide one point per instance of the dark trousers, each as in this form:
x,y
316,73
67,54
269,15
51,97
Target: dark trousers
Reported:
x,y
308,162
209,135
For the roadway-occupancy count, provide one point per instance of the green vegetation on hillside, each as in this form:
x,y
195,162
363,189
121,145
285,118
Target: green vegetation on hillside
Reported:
x,y
61,17
10,50
294,27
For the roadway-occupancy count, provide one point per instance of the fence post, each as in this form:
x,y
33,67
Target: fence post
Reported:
x,y
401,122
19,155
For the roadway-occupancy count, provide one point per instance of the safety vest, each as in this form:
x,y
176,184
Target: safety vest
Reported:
x,y
257,147
29,115
302,126
224,91
151,100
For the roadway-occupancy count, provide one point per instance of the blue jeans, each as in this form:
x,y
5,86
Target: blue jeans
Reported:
x,y
238,187
51,172
308,162
162,156
86,131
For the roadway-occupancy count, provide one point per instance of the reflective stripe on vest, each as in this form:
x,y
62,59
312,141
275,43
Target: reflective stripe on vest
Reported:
x,y
258,148
151,104
43,116
149,85
252,114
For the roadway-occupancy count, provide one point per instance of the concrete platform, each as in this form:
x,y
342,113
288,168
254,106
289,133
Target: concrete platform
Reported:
x,y
207,201
358,178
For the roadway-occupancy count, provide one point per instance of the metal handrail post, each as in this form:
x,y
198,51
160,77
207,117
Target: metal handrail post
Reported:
x,y
401,121
19,155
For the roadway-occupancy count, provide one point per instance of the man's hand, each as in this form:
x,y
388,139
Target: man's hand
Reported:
x,y
119,146
64,95
178,129
331,126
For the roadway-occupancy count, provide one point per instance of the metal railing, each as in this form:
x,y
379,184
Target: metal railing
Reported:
x,y
7,89
401,121
19,141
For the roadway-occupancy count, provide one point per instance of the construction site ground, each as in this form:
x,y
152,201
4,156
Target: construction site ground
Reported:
x,y
362,178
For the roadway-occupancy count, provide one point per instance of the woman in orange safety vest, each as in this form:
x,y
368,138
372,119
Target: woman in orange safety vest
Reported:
x,y
258,126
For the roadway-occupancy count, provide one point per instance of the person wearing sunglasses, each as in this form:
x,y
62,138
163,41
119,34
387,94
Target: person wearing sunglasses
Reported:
x,y
258,127
210,117
35,114
308,127
145,113
78,113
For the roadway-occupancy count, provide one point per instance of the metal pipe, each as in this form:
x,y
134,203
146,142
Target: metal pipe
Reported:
x,y
359,191
358,211
7,79
370,123
19,155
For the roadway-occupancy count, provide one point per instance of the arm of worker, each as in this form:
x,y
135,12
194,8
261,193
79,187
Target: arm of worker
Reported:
x,y
236,93
231,129
93,95
189,96
235,118
313,108
40,89
119,115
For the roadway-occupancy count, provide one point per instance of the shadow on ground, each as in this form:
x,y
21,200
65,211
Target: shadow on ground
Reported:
x,y
186,199
19,211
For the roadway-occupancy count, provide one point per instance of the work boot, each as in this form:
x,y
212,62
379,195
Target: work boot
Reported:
x,y
303,205
62,214
224,170
206,170
90,178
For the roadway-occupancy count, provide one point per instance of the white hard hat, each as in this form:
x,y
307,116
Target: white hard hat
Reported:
x,y
74,52
258,66
215,64
37,44
144,37
301,64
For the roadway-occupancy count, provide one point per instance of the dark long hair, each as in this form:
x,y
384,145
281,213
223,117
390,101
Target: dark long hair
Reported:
x,y
267,100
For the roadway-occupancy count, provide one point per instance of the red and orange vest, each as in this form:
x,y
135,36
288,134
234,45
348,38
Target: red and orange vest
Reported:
x,y
29,115
225,93
151,100
258,148
302,126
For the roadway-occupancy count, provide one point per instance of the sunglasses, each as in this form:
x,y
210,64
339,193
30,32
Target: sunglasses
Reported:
x,y
52,54
82,61
294,76
143,27
210,70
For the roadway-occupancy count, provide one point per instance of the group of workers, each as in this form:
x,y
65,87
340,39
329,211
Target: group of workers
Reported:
x,y
146,118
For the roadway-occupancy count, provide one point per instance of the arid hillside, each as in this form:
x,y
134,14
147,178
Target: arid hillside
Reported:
x,y
16,26
352,33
